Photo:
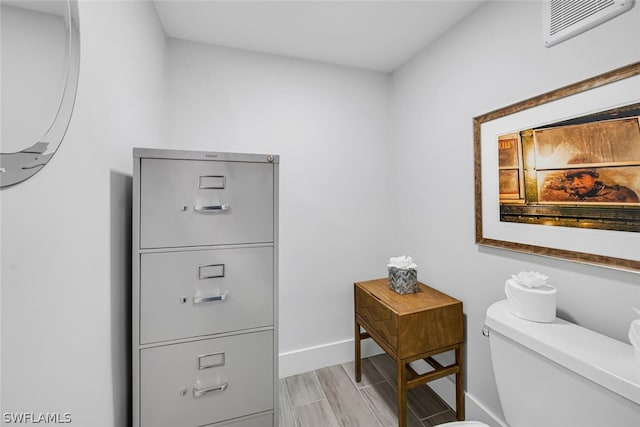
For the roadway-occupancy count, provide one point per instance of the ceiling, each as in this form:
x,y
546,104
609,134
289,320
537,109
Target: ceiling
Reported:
x,y
374,35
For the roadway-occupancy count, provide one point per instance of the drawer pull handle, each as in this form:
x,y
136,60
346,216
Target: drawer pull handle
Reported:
x,y
200,300
212,208
197,392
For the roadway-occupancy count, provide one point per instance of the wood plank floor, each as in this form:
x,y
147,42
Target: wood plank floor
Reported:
x,y
330,397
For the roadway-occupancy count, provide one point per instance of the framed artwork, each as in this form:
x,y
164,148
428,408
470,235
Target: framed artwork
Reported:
x,y
559,174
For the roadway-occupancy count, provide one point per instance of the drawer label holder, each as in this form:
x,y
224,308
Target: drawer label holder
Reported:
x,y
211,360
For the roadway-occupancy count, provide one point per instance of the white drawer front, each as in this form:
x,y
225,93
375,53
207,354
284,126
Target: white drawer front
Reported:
x,y
175,392
198,203
194,293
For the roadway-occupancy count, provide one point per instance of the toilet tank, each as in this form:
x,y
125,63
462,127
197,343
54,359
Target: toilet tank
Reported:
x,y
560,374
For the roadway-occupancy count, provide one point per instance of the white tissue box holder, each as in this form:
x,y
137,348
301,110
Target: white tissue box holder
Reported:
x,y
534,304
403,280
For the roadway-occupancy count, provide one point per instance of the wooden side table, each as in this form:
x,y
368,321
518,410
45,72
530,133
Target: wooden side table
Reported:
x,y
411,327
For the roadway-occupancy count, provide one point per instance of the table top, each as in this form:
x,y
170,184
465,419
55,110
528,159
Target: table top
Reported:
x,y
426,298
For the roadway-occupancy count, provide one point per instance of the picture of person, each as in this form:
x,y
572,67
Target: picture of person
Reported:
x,y
584,185
583,172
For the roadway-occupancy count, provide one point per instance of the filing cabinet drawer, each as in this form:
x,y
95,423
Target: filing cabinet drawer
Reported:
x,y
198,203
265,420
202,292
178,389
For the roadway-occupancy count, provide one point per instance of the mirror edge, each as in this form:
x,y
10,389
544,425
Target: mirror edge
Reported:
x,y
20,166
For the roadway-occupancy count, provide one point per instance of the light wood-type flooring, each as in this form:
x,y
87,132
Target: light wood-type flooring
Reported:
x,y
330,397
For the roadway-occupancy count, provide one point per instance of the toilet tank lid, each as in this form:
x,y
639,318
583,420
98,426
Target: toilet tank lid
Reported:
x,y
601,359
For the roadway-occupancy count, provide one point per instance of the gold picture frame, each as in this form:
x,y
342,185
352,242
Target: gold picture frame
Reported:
x,y
615,247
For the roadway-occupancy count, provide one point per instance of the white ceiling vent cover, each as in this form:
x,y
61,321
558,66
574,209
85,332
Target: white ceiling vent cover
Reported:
x,y
563,19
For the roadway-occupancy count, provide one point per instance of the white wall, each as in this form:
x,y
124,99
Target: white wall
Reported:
x,y
65,232
65,248
331,126
493,58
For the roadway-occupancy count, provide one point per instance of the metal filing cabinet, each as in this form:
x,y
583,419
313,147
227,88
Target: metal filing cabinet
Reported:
x,y
205,289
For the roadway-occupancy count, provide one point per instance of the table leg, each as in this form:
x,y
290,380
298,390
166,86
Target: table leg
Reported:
x,y
402,393
358,355
459,385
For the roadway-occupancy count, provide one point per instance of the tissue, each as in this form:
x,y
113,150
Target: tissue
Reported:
x,y
530,297
404,262
403,275
530,279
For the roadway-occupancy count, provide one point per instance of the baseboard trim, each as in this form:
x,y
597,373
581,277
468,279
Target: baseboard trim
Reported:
x,y
307,359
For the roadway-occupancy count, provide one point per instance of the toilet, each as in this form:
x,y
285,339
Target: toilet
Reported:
x,y
560,374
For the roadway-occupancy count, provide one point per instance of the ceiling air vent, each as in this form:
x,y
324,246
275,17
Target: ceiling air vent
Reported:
x,y
563,19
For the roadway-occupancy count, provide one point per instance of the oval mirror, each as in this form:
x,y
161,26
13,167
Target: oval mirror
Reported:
x,y
40,60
